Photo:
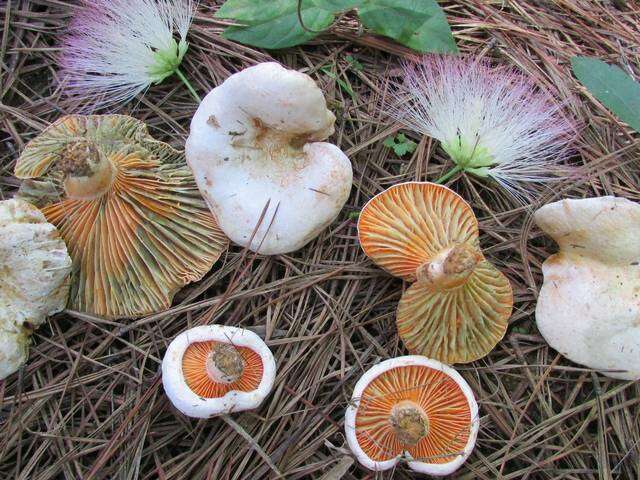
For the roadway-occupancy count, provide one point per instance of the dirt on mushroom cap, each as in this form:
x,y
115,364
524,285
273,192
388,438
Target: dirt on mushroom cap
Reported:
x,y
34,283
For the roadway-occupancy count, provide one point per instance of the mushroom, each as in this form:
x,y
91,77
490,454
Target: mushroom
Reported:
x,y
35,267
255,145
589,305
412,408
128,208
215,369
459,304
14,347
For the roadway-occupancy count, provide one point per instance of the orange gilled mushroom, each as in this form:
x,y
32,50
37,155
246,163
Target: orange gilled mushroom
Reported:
x,y
212,369
412,408
128,209
459,305
215,369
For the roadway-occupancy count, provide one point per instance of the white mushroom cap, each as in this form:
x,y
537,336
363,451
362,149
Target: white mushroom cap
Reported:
x,y
194,405
589,305
256,139
423,382
35,267
14,349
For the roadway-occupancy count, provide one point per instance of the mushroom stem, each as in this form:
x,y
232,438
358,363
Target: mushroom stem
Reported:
x,y
225,364
88,172
451,267
409,422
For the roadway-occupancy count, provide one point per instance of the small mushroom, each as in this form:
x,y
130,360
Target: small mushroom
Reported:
x,y
412,408
34,271
459,304
589,305
214,369
128,208
255,145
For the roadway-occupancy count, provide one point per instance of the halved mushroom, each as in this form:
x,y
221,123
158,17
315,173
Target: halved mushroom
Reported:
x,y
215,369
459,304
412,408
589,305
128,208
34,283
255,142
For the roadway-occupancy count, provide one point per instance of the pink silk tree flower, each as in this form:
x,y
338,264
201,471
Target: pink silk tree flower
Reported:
x,y
492,121
115,49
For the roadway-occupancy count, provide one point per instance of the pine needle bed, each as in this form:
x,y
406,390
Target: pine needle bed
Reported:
x,y
89,403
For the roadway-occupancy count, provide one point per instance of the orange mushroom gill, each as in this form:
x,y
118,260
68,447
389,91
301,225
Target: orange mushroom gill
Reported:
x,y
212,369
128,209
408,225
414,409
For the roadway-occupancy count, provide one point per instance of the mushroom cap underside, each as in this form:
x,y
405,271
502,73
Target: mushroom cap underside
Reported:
x,y
135,245
408,224
432,388
459,306
457,325
187,378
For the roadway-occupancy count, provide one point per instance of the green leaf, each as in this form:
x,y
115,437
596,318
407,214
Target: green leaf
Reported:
x,y
401,145
274,24
354,63
389,142
612,86
341,83
418,24
337,5
250,11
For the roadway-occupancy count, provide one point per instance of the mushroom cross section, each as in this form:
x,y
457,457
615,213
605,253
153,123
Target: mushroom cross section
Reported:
x,y
412,408
256,150
128,208
589,304
458,306
214,369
